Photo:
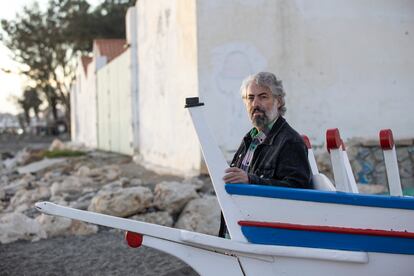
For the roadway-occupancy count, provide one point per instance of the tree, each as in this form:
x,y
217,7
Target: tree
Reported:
x,y
30,101
49,41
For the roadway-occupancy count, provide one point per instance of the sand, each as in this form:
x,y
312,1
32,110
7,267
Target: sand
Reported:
x,y
104,253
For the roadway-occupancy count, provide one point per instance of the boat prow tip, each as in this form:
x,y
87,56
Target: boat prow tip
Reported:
x,y
43,206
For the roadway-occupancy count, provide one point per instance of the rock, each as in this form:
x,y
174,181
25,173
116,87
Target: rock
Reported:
x,y
135,182
356,166
363,153
57,145
23,183
83,202
201,215
173,196
355,142
381,178
323,159
30,212
160,218
83,171
370,143
324,163
407,182
60,200
379,155
372,188
29,197
195,181
52,176
6,155
23,156
10,163
16,226
34,155
122,202
112,174
40,165
54,225
370,160
406,169
352,152
81,228
404,142
402,154
124,182
4,180
380,168
95,172
60,226
111,187
73,185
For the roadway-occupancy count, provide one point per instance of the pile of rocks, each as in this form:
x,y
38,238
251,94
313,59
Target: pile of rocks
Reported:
x,y
112,184
96,182
367,162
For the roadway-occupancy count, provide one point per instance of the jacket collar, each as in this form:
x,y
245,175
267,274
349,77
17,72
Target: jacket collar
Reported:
x,y
277,126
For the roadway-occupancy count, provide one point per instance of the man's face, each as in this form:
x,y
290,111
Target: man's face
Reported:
x,y
261,105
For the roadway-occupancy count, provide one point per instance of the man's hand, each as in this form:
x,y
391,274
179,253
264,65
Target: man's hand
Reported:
x,y
235,175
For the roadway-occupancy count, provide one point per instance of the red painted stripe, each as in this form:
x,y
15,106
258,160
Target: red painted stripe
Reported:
x,y
331,229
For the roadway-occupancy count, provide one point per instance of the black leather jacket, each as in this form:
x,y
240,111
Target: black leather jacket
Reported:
x,y
281,160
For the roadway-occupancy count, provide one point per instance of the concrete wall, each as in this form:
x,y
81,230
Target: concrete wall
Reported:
x,y
132,41
348,64
114,105
232,44
168,74
345,64
74,124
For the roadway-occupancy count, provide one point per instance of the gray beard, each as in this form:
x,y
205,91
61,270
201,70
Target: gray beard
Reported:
x,y
260,122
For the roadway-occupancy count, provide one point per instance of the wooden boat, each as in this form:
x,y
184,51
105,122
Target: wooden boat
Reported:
x,y
332,230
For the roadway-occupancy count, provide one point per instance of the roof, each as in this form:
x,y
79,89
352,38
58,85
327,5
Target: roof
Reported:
x,y
85,62
110,48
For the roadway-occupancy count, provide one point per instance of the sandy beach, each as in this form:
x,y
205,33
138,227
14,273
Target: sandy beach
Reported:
x,y
104,253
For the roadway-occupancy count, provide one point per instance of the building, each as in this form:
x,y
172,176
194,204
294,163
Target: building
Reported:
x,y
345,64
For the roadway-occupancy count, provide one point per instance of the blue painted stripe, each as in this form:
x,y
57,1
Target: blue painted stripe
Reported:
x,y
312,239
382,201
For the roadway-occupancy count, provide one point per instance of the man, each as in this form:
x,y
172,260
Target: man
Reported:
x,y
272,153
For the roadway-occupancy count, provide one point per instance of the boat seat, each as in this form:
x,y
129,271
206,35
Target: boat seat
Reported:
x,y
320,181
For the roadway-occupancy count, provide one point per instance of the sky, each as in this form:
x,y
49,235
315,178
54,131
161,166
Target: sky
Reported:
x,y
11,84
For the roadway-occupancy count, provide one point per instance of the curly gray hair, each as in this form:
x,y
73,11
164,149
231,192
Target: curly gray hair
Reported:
x,y
269,80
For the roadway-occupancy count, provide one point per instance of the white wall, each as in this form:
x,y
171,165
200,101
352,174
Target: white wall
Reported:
x,y
345,64
114,105
167,75
131,21
74,123
84,107
233,42
348,64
